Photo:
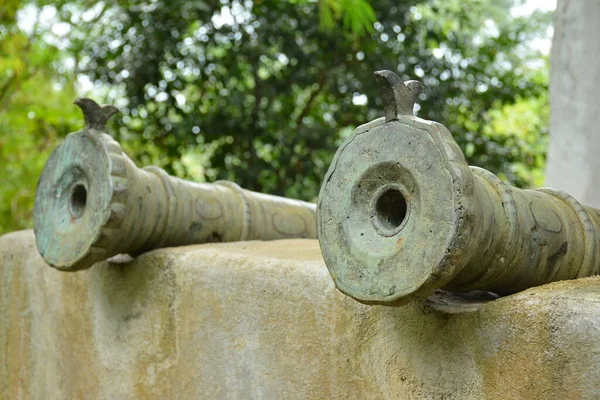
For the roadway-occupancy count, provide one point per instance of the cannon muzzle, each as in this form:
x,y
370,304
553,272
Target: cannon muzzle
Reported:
x,y
92,203
401,214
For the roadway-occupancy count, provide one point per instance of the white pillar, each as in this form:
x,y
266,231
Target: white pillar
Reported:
x,y
574,153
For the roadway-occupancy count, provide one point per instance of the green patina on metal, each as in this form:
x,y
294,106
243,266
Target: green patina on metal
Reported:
x,y
92,203
401,214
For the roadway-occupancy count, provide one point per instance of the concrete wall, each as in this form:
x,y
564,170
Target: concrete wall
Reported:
x,y
263,320
573,156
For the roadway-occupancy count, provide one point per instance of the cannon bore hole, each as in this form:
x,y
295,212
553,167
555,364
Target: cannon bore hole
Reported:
x,y
391,209
78,200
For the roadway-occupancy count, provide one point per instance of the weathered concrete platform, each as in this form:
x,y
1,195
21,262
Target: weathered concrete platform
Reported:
x,y
263,320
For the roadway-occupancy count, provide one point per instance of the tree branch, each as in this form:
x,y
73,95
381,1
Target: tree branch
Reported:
x,y
311,99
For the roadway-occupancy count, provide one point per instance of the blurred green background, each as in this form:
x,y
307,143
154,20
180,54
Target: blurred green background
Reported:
x,y
263,92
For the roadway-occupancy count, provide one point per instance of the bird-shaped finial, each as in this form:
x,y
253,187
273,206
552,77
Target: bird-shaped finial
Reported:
x,y
398,97
95,115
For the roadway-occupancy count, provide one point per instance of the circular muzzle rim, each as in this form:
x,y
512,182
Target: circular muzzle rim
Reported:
x,y
96,203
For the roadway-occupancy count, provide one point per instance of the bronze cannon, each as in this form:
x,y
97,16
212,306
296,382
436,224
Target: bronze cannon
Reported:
x,y
92,203
401,214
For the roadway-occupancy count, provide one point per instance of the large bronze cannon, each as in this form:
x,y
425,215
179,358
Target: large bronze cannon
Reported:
x,y
401,214
92,203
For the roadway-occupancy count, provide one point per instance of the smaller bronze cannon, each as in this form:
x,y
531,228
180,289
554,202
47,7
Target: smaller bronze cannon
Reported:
x,y
92,203
401,214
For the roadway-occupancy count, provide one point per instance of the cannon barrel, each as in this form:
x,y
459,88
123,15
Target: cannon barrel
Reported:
x,y
401,214
92,203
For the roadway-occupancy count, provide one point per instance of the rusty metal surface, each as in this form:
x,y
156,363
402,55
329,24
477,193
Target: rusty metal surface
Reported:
x,y
401,214
92,202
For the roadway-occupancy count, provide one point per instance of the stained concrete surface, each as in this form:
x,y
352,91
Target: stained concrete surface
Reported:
x,y
263,320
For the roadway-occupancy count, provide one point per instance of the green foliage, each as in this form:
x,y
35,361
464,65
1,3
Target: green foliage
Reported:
x,y
264,92
522,129
35,111
358,15
271,92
